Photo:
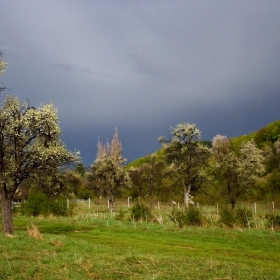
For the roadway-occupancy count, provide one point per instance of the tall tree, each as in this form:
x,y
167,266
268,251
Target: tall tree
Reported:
x,y
236,171
107,173
113,149
29,146
187,156
146,178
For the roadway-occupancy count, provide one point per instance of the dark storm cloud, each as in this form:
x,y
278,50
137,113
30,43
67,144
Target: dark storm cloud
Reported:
x,y
144,66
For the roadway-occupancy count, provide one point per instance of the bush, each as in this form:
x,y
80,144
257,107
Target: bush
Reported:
x,y
39,204
35,205
189,217
140,211
273,220
84,193
121,215
227,216
231,217
243,217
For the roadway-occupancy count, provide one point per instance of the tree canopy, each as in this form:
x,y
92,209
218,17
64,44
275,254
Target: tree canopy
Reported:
x,y
187,156
30,146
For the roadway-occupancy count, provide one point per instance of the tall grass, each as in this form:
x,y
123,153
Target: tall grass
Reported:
x,y
96,244
88,247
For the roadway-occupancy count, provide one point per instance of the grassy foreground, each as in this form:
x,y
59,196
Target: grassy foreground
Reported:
x,y
73,248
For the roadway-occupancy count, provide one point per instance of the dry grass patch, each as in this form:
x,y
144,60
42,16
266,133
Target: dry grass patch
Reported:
x,y
33,232
56,243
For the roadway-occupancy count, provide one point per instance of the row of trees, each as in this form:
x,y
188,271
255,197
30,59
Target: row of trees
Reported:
x,y
32,155
184,166
216,169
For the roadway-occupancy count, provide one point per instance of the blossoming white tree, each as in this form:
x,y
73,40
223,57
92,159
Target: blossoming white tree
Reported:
x,y
29,146
236,171
3,67
188,157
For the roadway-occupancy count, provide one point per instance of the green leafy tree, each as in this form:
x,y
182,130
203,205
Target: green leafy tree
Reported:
x,y
236,171
146,177
29,146
187,156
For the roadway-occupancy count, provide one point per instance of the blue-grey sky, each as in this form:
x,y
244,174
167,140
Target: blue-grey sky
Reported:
x,y
144,66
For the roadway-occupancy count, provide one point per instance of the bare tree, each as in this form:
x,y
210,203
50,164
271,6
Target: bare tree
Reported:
x,y
113,149
107,173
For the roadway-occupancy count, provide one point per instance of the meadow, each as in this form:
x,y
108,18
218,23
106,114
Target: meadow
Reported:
x,y
95,245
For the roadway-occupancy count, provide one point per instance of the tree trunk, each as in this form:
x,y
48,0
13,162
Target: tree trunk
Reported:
x,y
233,203
111,204
151,197
187,195
7,216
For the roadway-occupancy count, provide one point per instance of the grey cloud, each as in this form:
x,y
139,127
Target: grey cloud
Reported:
x,y
145,66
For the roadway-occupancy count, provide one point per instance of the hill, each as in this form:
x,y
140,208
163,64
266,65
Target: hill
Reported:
x,y
265,136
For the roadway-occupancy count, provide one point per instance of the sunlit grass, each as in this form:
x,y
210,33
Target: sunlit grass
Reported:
x,y
90,247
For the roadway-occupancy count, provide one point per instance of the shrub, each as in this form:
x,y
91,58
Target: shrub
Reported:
x,y
189,217
39,204
273,220
121,215
84,193
243,217
230,217
35,205
140,211
227,216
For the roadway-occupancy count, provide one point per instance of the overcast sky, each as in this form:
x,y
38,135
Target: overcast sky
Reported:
x,y
144,66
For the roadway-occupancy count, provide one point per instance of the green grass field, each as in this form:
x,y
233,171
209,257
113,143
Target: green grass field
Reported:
x,y
89,247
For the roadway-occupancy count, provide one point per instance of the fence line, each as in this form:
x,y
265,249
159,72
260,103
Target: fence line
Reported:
x,y
257,208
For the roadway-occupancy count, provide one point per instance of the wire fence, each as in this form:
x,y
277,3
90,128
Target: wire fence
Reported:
x,y
102,204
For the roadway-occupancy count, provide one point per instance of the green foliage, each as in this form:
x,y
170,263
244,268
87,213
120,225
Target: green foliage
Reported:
x,y
268,134
227,217
273,220
39,204
235,142
84,193
274,182
187,157
108,178
138,162
80,169
233,178
158,156
236,171
188,217
140,212
120,215
231,217
243,217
